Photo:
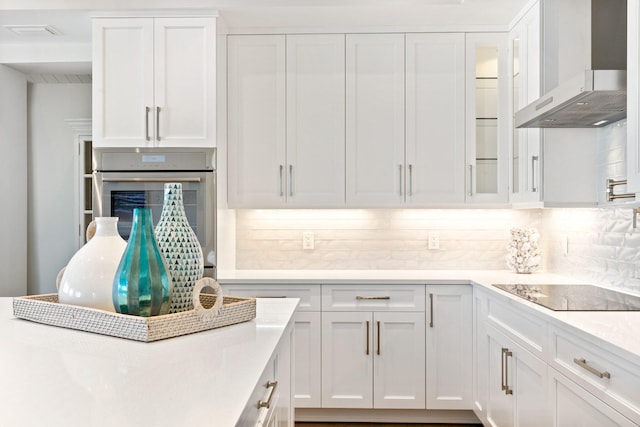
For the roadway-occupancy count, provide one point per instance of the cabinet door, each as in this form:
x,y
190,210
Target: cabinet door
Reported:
x,y
315,120
435,118
524,48
529,389
449,344
487,112
122,87
574,406
633,97
307,360
185,78
375,120
399,361
499,402
517,384
256,120
347,360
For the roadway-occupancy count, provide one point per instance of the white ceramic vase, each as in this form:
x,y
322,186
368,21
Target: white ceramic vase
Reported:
x,y
87,279
180,247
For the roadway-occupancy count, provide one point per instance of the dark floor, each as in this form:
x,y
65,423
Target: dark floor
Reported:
x,y
381,425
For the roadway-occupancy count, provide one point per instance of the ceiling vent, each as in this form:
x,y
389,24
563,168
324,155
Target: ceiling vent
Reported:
x,y
33,30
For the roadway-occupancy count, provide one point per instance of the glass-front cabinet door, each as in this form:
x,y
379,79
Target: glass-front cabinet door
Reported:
x,y
487,124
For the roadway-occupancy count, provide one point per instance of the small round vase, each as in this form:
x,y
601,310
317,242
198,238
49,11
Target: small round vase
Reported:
x,y
180,247
88,276
142,286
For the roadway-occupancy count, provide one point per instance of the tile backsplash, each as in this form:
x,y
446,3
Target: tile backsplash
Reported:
x,y
602,245
469,239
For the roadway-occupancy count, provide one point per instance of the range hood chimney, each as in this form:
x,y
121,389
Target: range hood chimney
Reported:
x,y
584,61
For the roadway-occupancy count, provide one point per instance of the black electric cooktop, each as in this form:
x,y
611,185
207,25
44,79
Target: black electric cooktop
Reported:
x,y
575,297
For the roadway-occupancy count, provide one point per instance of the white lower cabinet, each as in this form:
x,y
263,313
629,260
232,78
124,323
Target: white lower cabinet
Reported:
x,y
306,383
373,346
517,392
510,373
449,336
591,373
574,406
373,360
270,404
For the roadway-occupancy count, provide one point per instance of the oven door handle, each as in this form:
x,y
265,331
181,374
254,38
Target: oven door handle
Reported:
x,y
168,179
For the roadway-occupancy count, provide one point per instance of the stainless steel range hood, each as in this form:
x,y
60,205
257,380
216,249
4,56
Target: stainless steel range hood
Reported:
x,y
583,65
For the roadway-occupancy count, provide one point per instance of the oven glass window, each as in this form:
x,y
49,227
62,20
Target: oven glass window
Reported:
x,y
124,201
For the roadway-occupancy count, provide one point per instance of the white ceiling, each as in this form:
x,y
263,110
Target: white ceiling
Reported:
x,y
71,18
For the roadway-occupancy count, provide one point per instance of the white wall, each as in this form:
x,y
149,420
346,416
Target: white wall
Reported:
x,y
52,186
13,182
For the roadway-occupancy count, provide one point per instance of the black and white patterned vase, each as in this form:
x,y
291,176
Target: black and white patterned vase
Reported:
x,y
180,247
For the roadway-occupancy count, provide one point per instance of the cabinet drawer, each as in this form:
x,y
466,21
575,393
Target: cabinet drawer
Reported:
x,y
309,294
528,330
373,297
607,376
266,391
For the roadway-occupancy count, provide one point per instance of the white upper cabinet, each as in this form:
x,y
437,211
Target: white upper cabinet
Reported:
x,y
154,82
256,120
435,136
315,120
524,61
633,98
487,119
286,120
375,120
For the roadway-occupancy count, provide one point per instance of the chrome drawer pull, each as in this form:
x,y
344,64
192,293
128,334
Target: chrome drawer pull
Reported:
x,y
361,298
269,296
272,385
583,364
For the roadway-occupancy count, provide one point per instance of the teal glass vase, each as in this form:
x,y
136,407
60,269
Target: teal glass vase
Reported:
x,y
142,286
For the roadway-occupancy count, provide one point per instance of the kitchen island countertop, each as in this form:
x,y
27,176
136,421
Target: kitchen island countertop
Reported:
x,y
617,328
60,377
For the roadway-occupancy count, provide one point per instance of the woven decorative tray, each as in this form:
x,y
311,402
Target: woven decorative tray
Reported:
x,y
210,311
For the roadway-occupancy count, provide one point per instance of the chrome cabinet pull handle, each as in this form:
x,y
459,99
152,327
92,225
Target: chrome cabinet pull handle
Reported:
x,y
272,385
411,180
400,179
502,386
290,180
361,298
470,180
146,123
280,182
431,310
505,387
176,179
583,364
367,350
157,123
534,187
378,351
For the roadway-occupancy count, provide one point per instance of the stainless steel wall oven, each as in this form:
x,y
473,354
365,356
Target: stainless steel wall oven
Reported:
x,y
126,178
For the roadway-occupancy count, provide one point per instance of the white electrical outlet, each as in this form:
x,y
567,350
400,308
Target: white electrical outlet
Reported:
x,y
564,244
433,240
308,240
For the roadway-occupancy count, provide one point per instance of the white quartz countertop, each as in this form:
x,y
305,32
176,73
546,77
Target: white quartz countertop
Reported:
x,y
52,376
618,329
